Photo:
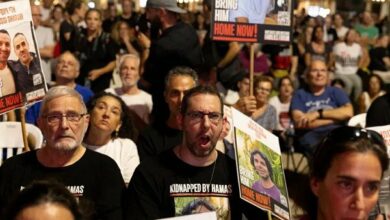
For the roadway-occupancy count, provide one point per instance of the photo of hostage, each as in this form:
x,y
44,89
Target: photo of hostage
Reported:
x,y
263,167
7,78
27,65
251,11
197,206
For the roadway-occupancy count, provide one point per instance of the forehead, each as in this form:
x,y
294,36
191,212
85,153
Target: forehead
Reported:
x,y
204,102
93,14
317,64
264,83
19,39
130,61
108,100
35,9
4,36
180,82
63,104
68,57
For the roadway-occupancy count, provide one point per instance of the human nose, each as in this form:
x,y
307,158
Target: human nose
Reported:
x,y
358,200
64,122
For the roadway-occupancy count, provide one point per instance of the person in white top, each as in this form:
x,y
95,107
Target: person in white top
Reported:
x,y
374,90
45,41
139,101
348,56
341,30
281,102
111,132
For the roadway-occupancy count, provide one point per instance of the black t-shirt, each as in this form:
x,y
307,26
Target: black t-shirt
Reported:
x,y
165,186
378,113
71,44
95,179
376,57
157,138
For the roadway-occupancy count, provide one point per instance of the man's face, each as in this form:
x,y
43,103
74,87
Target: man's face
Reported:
x,y
127,7
175,91
65,135
350,188
94,21
66,67
5,47
260,166
152,14
318,74
36,15
201,134
129,72
81,11
22,49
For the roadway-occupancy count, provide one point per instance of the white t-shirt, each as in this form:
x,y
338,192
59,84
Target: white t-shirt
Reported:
x,y
45,37
140,103
123,151
342,31
282,113
347,58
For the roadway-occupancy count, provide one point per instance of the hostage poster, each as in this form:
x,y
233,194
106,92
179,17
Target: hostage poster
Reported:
x,y
21,79
264,21
259,166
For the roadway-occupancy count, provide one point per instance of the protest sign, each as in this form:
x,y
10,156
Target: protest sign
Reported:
x,y
21,79
260,173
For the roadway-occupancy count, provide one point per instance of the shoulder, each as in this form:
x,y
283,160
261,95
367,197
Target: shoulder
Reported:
x,y
97,159
20,160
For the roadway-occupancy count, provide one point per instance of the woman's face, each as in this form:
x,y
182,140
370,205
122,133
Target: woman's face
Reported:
x,y
350,188
58,14
93,21
123,29
374,85
338,20
263,90
106,115
286,88
319,33
47,211
351,37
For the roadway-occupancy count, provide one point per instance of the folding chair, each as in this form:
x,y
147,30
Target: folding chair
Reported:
x,y
11,139
358,120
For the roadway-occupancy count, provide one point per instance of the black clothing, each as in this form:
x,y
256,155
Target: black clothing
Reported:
x,y
177,46
132,21
376,57
108,23
378,113
96,54
157,138
94,179
164,186
74,40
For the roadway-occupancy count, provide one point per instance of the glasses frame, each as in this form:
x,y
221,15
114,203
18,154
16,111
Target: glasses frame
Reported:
x,y
66,115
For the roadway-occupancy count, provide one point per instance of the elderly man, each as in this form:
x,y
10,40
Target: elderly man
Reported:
x,y
318,108
178,45
139,101
161,136
7,80
162,186
92,177
27,68
45,41
67,70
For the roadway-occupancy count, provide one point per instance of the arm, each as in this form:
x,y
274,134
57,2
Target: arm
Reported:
x,y
309,120
234,49
246,105
307,59
47,51
96,73
362,105
339,114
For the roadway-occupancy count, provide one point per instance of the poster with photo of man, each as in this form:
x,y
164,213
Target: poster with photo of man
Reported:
x,y
264,21
21,79
259,166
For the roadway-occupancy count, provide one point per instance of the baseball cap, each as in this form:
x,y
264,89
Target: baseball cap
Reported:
x,y
169,5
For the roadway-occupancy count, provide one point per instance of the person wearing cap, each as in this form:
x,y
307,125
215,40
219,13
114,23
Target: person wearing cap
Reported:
x,y
177,45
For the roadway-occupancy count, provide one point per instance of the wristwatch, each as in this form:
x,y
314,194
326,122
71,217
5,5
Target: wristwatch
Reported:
x,y
320,111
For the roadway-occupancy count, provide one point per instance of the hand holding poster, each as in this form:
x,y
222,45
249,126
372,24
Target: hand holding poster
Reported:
x,y
260,172
266,21
21,78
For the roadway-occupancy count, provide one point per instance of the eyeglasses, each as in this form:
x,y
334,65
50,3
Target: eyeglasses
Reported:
x,y
259,89
318,70
197,116
55,119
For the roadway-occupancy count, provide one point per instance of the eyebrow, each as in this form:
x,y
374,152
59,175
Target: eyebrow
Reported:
x,y
350,178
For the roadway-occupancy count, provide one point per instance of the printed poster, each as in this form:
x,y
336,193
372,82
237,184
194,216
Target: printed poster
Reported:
x,y
264,21
259,166
21,79
384,194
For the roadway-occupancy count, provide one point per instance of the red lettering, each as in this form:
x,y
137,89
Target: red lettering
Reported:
x,y
224,29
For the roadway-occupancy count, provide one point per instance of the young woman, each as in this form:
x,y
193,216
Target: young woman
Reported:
x,y
111,132
374,90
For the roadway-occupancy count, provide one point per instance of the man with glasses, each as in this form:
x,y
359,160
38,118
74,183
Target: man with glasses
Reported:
x,y
163,185
93,178
318,108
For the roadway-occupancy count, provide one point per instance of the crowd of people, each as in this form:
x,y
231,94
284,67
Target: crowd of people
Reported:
x,y
133,120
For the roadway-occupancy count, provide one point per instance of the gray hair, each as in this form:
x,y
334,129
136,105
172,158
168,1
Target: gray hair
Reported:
x,y
60,91
181,71
77,63
129,56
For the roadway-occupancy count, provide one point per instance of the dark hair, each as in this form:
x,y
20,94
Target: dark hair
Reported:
x,y
193,205
94,10
41,192
381,83
181,71
262,155
196,91
19,33
348,33
72,5
313,34
127,129
4,31
342,140
285,78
